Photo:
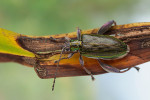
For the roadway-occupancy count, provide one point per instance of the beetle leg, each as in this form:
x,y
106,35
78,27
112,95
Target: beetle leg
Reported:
x,y
78,34
109,68
59,40
137,68
106,27
57,67
69,56
53,39
87,71
68,39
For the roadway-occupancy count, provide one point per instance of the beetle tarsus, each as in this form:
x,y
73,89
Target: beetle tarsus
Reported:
x,y
109,68
106,27
137,68
53,84
92,78
53,39
86,70
78,34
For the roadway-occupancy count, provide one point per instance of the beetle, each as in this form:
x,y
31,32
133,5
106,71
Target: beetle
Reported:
x,y
97,46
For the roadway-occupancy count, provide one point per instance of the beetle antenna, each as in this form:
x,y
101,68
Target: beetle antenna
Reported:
x,y
57,67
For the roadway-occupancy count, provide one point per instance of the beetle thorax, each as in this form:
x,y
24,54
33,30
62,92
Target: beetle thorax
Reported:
x,y
75,45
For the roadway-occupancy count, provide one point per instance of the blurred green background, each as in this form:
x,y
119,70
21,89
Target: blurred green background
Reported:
x,y
47,17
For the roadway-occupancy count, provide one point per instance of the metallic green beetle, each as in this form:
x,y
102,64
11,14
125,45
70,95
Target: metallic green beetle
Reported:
x,y
98,47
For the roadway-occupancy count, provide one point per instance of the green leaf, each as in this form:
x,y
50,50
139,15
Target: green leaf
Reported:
x,y
8,44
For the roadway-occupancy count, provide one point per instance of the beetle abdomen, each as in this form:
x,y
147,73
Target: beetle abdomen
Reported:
x,y
103,47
